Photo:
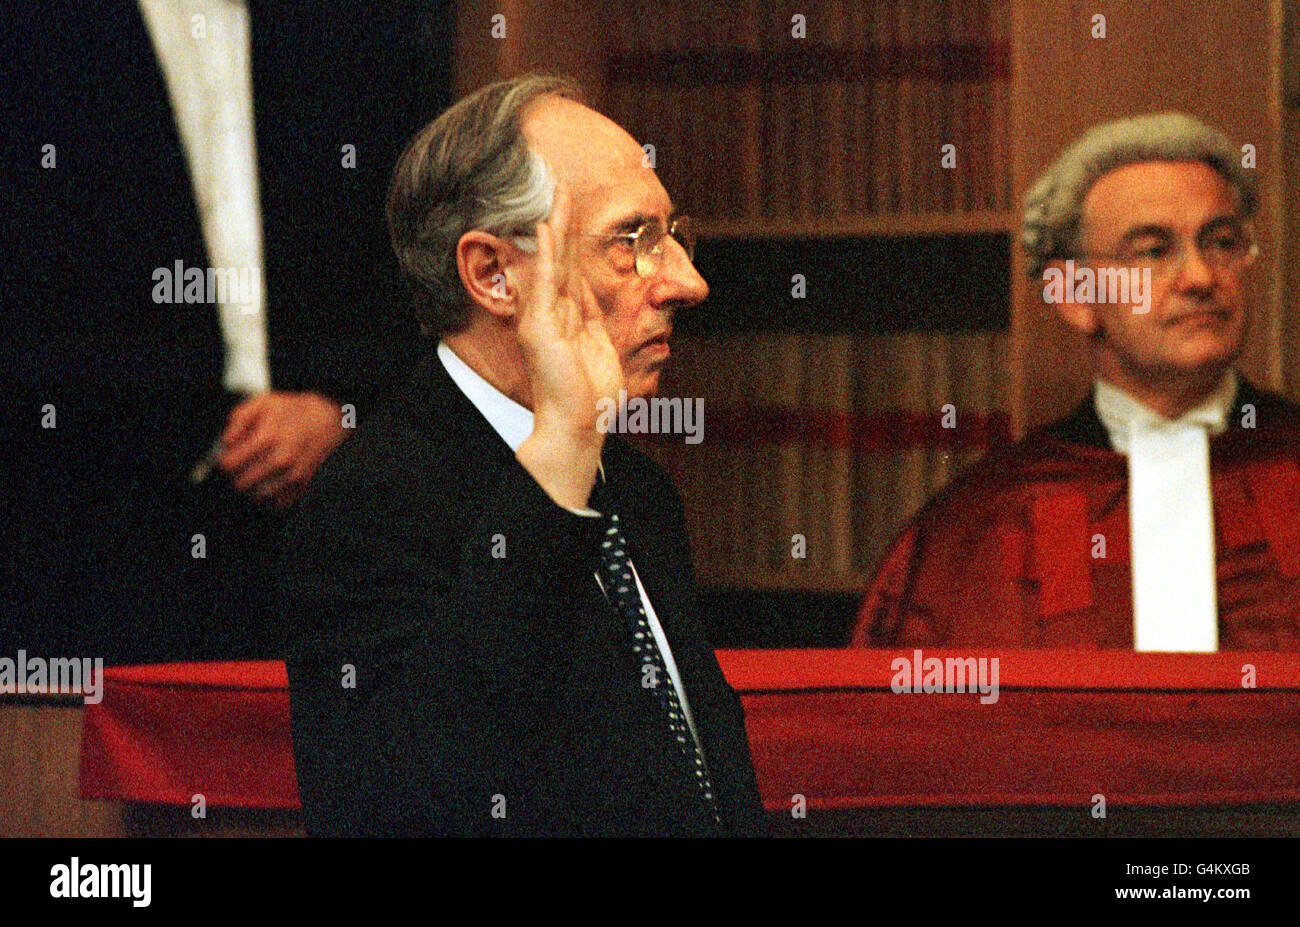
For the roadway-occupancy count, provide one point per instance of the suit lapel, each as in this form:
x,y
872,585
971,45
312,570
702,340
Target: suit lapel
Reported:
x,y
436,404
641,526
657,559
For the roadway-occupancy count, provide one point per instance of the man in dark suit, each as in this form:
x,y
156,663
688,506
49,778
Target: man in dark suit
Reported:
x,y
135,127
492,600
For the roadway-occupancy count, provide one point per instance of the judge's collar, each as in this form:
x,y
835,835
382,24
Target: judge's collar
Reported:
x,y
1120,412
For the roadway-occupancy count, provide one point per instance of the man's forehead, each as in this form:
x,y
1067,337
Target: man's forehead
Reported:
x,y
596,159
1158,193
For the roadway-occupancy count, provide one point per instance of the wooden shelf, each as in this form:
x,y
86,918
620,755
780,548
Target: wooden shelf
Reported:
x,y
798,579
811,62
867,226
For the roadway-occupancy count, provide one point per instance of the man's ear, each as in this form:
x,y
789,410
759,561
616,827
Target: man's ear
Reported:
x,y
486,265
1057,288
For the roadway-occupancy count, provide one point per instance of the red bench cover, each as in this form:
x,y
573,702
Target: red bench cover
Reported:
x,y
1150,729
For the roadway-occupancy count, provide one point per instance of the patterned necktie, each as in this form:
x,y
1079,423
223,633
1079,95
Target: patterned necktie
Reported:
x,y
620,588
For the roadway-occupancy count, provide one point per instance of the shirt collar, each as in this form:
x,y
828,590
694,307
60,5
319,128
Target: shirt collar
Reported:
x,y
508,418
1120,412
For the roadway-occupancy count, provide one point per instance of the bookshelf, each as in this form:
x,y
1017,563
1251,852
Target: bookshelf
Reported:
x,y
835,139
982,222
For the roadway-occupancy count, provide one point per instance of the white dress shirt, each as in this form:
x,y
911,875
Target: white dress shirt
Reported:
x,y
514,424
1171,515
204,50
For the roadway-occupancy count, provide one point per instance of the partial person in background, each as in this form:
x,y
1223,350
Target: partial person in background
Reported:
x,y
196,191
1164,513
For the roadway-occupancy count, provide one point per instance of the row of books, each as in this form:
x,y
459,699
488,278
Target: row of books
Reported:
x,y
852,119
838,439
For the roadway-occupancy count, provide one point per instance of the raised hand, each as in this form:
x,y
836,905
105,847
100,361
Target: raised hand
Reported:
x,y
571,363
572,366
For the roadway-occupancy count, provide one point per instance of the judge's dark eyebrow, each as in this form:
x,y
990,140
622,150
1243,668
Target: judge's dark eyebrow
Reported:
x,y
1218,222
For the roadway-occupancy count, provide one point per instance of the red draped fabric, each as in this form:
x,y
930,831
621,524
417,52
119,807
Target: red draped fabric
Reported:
x,y
169,732
827,725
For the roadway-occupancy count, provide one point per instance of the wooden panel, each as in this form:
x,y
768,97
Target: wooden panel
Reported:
x,y
40,744
764,133
810,434
554,36
1291,192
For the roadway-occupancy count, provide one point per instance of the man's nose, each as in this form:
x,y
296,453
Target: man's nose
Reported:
x,y
680,282
1194,273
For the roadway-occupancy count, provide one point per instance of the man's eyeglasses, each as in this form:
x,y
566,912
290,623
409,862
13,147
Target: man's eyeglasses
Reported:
x,y
1222,246
646,242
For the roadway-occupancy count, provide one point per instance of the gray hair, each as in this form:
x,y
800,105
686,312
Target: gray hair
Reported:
x,y
470,169
1055,200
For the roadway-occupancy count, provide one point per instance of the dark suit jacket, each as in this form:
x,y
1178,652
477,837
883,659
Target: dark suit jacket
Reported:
x,y
479,676
103,516
82,75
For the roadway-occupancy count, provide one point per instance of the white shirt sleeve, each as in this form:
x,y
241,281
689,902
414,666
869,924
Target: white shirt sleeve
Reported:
x,y
204,48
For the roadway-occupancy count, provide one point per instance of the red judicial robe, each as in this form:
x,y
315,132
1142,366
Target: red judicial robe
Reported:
x,y
1030,548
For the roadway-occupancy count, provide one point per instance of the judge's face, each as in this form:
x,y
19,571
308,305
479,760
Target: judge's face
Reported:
x,y
614,192
1181,221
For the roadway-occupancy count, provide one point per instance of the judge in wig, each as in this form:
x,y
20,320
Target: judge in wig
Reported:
x,y
1162,514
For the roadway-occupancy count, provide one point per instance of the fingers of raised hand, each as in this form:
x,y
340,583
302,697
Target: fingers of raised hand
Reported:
x,y
588,306
558,224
